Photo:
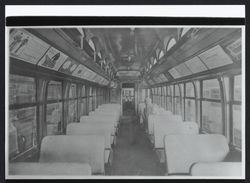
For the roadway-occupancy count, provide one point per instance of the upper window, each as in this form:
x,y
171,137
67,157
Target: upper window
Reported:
x,y
54,90
72,91
22,89
161,54
182,89
83,91
189,90
211,89
184,31
159,91
165,90
169,92
176,90
155,61
237,88
90,91
171,43
91,44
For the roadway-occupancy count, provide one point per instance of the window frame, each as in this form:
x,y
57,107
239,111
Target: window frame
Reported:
x,y
221,101
26,105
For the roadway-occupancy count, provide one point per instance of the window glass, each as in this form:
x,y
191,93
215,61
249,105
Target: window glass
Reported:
x,y
169,91
94,99
159,91
72,111
226,85
197,85
212,117
189,90
83,107
177,92
83,91
90,104
190,110
90,91
177,105
237,88
165,91
72,91
171,43
182,89
54,118
22,130
169,103
21,89
211,89
54,90
237,125
172,90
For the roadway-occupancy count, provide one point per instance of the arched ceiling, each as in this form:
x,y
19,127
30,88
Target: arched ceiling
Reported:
x,y
131,48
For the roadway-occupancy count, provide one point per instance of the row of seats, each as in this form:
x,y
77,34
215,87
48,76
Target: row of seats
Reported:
x,y
85,148
179,145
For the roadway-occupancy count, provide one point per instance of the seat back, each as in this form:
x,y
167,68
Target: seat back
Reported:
x,y
84,118
102,129
100,119
162,128
217,169
37,168
182,151
152,119
74,149
155,118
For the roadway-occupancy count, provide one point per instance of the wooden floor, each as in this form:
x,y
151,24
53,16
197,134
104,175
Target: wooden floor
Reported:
x,y
133,154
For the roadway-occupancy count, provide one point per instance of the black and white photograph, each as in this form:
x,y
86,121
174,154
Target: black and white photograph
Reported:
x,y
125,101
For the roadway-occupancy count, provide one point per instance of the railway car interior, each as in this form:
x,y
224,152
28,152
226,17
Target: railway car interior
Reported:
x,y
125,101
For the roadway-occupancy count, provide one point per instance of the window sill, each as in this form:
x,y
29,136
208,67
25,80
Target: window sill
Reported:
x,y
25,155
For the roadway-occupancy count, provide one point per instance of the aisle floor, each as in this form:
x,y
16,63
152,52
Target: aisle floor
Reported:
x,y
133,154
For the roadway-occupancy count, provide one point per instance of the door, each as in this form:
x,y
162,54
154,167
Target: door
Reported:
x,y
128,100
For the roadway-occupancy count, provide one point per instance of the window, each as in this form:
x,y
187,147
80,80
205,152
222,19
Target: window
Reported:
x,y
177,100
169,98
237,88
159,96
83,102
90,99
54,108
72,109
21,89
190,108
211,89
164,98
93,98
22,130
182,99
237,120
54,90
171,43
22,120
54,118
212,107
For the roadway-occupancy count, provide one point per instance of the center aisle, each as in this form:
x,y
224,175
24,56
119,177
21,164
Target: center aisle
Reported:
x,y
133,154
